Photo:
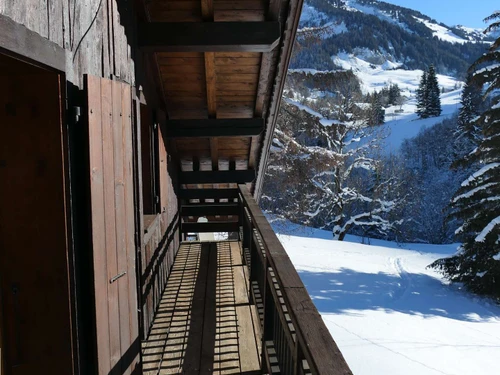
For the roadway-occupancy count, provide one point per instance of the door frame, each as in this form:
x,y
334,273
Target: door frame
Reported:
x,y
27,46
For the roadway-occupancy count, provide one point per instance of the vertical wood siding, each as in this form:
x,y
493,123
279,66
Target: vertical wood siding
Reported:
x,y
161,242
112,206
92,31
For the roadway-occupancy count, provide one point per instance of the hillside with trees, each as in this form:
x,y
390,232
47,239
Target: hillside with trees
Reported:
x,y
329,167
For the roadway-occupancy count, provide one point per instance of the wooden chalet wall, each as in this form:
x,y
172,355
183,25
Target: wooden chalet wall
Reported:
x,y
97,36
91,31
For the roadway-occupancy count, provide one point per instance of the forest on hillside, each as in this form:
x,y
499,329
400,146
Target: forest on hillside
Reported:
x,y
328,170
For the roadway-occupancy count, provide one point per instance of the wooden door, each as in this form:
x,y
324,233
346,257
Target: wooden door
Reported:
x,y
113,224
34,274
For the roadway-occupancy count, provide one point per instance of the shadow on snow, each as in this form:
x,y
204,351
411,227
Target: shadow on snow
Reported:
x,y
414,294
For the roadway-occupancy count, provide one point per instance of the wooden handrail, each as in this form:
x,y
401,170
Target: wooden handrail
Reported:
x,y
294,336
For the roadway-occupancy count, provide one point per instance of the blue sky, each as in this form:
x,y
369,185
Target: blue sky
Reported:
x,y
452,12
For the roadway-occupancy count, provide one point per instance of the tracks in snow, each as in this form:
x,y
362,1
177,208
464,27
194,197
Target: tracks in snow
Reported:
x,y
406,282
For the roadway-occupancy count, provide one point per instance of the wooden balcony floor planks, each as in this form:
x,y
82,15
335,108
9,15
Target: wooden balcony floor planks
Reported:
x,y
205,323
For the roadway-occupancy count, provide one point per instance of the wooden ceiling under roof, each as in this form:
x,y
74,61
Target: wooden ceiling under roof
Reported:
x,y
221,66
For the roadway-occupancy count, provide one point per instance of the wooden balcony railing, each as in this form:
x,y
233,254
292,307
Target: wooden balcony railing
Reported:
x,y
294,338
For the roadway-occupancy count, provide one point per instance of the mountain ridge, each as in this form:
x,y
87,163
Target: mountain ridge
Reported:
x,y
400,34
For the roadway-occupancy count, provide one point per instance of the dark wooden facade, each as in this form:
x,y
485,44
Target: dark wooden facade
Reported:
x,y
121,124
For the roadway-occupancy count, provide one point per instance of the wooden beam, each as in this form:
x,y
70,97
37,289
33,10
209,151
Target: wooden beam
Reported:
x,y
17,39
207,10
289,32
207,128
214,177
210,209
214,153
209,36
228,226
208,193
210,78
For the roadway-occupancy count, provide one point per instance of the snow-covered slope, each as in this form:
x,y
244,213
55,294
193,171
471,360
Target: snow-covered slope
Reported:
x,y
442,32
401,122
390,314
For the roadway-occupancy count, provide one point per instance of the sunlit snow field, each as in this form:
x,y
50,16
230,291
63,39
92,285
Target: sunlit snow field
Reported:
x,y
389,314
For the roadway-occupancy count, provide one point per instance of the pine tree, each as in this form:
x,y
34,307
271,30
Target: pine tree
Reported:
x,y
472,105
477,202
428,99
376,113
422,95
433,100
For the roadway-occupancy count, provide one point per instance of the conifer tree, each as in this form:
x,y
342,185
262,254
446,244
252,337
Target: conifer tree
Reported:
x,y
477,202
472,105
376,113
422,95
433,102
428,100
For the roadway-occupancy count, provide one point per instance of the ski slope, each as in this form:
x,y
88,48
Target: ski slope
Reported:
x,y
388,313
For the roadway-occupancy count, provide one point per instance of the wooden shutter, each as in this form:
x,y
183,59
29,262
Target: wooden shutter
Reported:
x,y
112,216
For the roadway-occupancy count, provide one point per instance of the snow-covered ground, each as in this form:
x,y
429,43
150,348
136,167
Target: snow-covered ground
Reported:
x,y
389,314
407,124
401,122
442,33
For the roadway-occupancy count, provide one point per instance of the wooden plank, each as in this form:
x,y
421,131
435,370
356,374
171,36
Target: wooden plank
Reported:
x,y
233,78
207,10
93,88
214,153
237,86
110,219
214,128
200,177
193,350
211,84
226,358
229,99
179,60
239,5
240,61
229,226
250,15
208,193
210,209
237,69
175,16
235,113
249,356
119,159
209,36
187,87
174,5
209,328
130,211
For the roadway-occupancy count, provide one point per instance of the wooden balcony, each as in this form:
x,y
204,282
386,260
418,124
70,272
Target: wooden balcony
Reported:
x,y
238,307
